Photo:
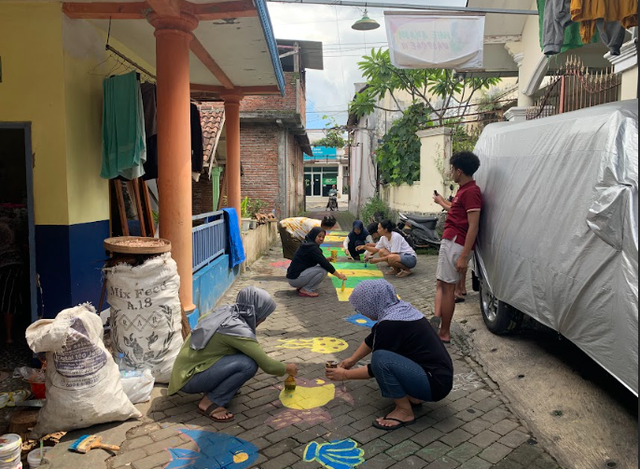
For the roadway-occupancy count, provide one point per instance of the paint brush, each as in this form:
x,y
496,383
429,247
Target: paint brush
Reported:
x,y
342,288
86,443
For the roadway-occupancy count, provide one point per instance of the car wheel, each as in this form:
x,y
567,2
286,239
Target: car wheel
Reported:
x,y
499,317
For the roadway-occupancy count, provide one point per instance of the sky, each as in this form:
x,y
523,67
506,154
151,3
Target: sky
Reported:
x,y
330,90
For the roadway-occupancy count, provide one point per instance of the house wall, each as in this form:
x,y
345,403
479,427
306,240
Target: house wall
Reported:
x,y
274,102
259,152
435,151
202,196
629,85
53,69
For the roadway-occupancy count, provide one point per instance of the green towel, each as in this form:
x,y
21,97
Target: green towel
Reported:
x,y
124,148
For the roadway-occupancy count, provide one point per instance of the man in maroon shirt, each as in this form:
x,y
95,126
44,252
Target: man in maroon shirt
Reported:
x,y
459,236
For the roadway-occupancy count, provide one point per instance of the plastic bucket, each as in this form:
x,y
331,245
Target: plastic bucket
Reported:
x,y
10,451
34,459
38,390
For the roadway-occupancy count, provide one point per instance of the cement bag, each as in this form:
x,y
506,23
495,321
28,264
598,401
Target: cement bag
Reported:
x,y
146,315
83,381
137,385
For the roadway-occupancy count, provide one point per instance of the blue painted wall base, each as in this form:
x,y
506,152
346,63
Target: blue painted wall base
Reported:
x,y
209,284
69,260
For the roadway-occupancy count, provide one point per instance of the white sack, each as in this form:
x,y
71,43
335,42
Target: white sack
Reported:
x,y
83,381
146,314
138,385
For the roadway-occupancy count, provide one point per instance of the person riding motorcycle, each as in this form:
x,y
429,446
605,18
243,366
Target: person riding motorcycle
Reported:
x,y
332,204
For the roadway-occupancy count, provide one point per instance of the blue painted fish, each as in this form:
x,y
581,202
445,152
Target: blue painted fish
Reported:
x,y
216,451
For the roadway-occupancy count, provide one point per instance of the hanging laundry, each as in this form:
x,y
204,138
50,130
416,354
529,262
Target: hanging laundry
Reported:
x,y
557,32
149,101
123,129
197,150
588,11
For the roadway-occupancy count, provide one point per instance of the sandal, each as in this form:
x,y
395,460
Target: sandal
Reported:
x,y
209,413
394,427
458,299
404,273
307,294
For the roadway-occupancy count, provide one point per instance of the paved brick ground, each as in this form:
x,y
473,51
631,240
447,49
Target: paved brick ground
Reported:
x,y
471,429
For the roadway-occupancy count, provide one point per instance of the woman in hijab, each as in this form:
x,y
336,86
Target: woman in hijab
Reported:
x,y
222,353
359,236
408,360
309,267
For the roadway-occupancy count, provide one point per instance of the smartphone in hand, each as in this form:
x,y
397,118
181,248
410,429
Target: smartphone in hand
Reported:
x,y
435,193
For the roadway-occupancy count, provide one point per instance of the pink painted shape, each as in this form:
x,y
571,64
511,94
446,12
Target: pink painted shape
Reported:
x,y
281,264
291,416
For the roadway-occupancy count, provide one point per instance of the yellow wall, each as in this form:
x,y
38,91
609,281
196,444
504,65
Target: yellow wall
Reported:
x,y
629,86
32,91
86,63
435,144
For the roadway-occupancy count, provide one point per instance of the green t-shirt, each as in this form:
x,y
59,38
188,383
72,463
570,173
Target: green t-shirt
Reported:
x,y
190,362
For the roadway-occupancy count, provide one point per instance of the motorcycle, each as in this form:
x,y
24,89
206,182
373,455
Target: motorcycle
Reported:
x,y
421,230
333,203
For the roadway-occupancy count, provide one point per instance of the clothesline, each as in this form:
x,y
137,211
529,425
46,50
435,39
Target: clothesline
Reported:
x,y
129,61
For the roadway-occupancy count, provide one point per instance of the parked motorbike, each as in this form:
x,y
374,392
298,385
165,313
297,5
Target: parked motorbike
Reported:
x,y
422,230
333,203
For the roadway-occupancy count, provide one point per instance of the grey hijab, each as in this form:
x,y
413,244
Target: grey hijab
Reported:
x,y
377,299
252,306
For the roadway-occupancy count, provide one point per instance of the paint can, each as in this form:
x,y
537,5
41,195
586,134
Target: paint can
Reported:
x,y
331,364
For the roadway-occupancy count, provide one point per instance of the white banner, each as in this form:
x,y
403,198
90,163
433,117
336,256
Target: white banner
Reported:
x,y
435,41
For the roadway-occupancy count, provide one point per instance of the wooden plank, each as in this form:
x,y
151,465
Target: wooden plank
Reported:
x,y
225,10
246,90
223,188
124,226
135,189
199,51
151,226
106,10
166,7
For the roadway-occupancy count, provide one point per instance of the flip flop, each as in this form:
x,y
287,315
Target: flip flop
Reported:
x,y
211,408
403,273
388,429
458,299
307,295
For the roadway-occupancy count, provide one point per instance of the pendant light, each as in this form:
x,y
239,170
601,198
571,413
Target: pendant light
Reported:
x,y
365,23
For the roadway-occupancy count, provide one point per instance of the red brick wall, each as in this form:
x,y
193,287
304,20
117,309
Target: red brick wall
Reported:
x,y
202,195
259,156
275,102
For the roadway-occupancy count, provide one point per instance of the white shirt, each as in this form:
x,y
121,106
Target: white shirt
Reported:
x,y
397,244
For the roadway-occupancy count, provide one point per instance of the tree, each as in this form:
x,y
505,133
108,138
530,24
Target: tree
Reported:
x,y
398,155
333,136
437,89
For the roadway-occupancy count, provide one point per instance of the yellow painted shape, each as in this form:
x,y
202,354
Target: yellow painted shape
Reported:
x,y
304,398
240,457
362,273
344,295
316,344
334,239
361,321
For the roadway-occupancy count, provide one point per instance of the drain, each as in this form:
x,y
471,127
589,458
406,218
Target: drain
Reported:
x,y
611,464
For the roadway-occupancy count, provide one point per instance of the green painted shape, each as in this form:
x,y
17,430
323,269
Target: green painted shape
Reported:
x,y
351,281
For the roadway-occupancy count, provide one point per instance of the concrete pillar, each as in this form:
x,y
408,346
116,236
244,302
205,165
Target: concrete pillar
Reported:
x,y
435,152
516,114
174,142
232,126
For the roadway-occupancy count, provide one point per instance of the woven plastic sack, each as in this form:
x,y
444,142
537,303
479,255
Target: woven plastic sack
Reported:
x,y
146,314
83,381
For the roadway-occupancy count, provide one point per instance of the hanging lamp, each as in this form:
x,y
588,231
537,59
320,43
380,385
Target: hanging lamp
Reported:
x,y
365,23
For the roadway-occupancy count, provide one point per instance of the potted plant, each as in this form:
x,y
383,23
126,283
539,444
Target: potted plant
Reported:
x,y
254,207
245,214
